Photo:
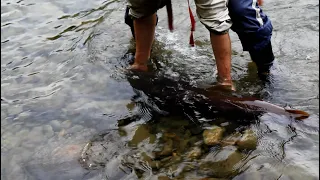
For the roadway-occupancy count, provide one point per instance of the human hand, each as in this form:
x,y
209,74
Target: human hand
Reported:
x,y
260,2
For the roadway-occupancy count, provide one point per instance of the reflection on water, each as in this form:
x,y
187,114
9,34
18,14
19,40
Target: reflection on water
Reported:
x,y
63,86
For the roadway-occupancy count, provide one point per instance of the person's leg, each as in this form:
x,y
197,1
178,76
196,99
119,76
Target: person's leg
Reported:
x,y
143,14
144,35
221,46
254,29
215,16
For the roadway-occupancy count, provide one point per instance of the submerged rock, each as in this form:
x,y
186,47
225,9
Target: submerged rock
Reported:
x,y
66,124
56,125
248,140
48,131
231,139
221,164
141,134
166,150
213,136
212,179
195,153
174,123
163,178
152,163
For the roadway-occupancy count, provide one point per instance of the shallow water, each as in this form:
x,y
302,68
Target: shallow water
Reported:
x,y
62,83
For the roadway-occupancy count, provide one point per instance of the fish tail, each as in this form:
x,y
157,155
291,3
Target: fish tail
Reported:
x,y
301,114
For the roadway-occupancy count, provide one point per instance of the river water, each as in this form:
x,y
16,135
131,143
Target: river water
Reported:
x,y
62,83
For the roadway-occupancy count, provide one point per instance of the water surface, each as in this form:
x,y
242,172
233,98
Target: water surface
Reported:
x,y
62,83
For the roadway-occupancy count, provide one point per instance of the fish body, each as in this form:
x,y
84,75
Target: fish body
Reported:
x,y
179,97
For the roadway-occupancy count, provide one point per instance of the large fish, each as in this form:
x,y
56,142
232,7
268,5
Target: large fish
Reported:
x,y
178,97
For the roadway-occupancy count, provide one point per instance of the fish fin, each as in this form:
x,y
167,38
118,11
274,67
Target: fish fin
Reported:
x,y
303,114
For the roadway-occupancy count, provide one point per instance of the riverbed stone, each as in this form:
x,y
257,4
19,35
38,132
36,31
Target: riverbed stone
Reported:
x,y
36,135
62,133
163,178
195,153
15,128
66,124
4,115
10,142
213,136
152,163
48,131
75,129
221,164
166,149
231,139
23,133
248,140
14,110
24,115
56,125
141,133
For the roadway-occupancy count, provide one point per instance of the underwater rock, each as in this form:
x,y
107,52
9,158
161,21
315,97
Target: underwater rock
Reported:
x,y
248,140
213,136
152,163
48,131
66,124
212,179
70,150
56,125
174,123
231,139
14,110
163,178
166,150
62,133
141,134
195,153
221,164
75,129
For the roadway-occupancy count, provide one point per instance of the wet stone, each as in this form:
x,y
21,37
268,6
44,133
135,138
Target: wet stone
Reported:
x,y
231,139
36,135
141,134
163,178
23,133
153,164
66,124
249,176
166,150
248,140
56,125
15,128
14,110
6,134
21,154
221,164
4,121
10,142
212,179
3,116
195,153
213,136
23,115
62,133
48,131
75,129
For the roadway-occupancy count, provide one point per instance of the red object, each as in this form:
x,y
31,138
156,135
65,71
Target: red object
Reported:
x,y
193,25
170,16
